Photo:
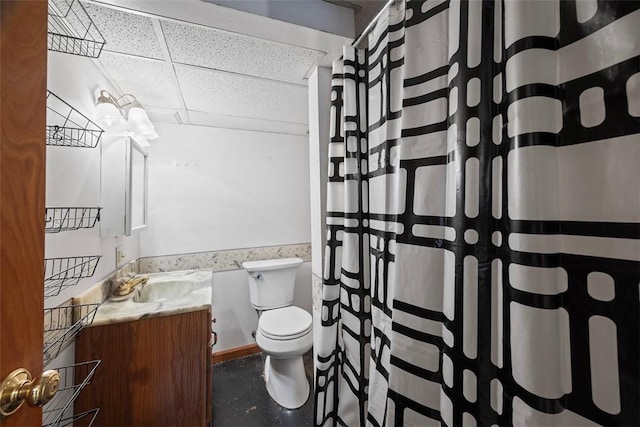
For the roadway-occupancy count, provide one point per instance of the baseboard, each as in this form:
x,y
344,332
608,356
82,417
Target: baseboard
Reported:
x,y
234,353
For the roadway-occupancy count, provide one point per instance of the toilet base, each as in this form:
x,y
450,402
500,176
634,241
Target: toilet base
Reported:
x,y
286,381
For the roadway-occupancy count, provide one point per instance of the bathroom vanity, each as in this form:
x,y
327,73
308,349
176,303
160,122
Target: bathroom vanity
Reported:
x,y
155,349
154,371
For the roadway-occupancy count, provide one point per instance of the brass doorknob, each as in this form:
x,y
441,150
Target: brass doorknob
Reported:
x,y
18,388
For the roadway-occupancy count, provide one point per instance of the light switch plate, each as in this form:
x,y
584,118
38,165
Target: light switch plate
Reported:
x,y
121,255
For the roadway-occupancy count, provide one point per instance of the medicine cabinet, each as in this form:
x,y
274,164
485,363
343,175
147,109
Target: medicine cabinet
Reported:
x,y
124,187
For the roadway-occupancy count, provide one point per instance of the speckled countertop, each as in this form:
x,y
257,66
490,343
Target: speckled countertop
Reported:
x,y
116,311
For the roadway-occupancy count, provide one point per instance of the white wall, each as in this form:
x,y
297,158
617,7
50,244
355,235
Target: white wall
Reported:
x,y
73,179
214,189
73,174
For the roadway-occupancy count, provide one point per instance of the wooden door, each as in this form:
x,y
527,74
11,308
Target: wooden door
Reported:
x,y
23,79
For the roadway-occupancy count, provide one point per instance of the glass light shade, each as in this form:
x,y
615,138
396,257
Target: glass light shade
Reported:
x,y
150,134
140,124
138,115
108,116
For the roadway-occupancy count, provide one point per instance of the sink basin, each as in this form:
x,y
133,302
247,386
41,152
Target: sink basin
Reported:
x,y
164,290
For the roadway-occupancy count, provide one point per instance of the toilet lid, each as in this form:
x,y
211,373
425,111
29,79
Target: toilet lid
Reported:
x,y
285,323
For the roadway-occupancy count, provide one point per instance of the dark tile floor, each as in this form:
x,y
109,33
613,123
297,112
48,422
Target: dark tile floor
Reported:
x,y
240,397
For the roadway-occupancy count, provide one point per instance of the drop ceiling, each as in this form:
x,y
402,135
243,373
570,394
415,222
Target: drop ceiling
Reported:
x,y
187,64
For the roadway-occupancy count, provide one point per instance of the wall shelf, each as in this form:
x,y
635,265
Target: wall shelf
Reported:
x,y
68,127
84,419
71,30
62,324
66,218
67,271
73,379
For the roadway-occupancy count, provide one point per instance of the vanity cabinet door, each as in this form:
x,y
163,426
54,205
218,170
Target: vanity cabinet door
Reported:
x,y
154,371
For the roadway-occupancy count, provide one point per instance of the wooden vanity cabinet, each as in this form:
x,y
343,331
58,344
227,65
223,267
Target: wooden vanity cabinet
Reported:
x,y
154,371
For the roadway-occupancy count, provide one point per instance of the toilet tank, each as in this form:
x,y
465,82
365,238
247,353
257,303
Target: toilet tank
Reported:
x,y
271,282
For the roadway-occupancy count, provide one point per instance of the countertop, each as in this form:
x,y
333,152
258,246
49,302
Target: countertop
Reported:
x,y
125,310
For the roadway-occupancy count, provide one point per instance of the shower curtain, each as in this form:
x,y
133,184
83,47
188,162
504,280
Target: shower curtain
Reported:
x,y
482,264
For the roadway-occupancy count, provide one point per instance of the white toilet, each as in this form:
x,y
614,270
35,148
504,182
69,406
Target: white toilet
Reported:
x,y
284,331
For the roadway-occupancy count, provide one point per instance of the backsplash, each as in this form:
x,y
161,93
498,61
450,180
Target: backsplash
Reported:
x,y
221,260
215,260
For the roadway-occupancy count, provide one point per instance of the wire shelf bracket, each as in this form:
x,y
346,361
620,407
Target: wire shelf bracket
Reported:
x,y
68,127
83,419
66,218
64,272
73,379
62,324
71,30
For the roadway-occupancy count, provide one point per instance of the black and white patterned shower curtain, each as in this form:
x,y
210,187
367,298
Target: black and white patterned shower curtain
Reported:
x,y
483,227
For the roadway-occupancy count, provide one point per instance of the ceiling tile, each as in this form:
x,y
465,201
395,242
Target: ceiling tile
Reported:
x,y
231,94
149,80
246,123
125,32
222,50
163,116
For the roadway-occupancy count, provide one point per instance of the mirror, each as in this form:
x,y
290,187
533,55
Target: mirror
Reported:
x,y
123,187
137,194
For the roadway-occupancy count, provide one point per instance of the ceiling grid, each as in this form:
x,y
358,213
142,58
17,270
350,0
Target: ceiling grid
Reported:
x,y
184,72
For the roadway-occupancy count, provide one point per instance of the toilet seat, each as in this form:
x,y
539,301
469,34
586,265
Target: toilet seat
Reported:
x,y
286,323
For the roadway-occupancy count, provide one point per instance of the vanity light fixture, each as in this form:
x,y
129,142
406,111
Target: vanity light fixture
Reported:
x,y
111,115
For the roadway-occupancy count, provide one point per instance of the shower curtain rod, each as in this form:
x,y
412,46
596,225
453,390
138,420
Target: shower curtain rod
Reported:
x,y
369,27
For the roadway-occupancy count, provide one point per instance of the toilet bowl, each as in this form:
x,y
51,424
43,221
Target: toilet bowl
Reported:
x,y
284,335
284,331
